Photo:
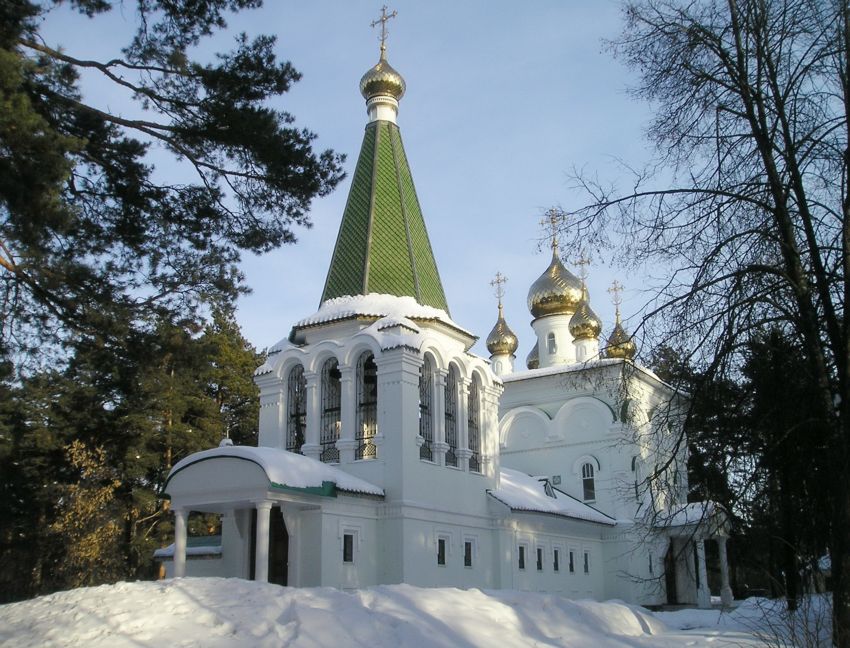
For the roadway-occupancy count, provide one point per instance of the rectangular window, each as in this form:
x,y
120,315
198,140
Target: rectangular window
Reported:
x,y
539,559
467,553
348,548
572,562
650,563
556,560
521,557
586,562
441,551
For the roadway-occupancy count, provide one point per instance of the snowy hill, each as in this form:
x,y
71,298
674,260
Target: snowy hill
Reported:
x,y
225,613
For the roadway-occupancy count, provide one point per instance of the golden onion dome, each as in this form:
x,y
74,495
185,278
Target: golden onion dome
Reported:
x,y
502,340
620,343
585,324
556,292
382,80
533,359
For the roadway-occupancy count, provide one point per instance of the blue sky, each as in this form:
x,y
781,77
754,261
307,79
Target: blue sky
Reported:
x,y
503,100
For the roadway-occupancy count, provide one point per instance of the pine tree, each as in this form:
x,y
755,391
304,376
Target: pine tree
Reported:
x,y
91,241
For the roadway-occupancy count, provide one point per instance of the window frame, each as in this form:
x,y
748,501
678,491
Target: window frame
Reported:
x,y
473,420
452,416
331,410
296,408
588,481
366,426
426,408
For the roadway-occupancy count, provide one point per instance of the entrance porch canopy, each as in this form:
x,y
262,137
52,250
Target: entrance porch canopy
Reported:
x,y
232,477
226,477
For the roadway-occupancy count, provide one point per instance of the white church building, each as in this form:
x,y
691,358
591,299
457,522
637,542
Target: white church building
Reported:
x,y
389,453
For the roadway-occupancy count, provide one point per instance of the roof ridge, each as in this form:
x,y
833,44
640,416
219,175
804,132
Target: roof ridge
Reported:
x,y
404,217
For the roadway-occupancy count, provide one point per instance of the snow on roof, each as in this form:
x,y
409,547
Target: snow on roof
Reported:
x,y
693,513
555,370
376,305
285,468
192,550
522,492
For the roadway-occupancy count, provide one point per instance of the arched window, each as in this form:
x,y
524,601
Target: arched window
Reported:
x,y
330,424
473,420
296,409
550,342
451,416
426,411
588,485
367,406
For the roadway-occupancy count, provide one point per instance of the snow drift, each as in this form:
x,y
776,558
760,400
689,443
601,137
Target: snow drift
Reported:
x,y
225,613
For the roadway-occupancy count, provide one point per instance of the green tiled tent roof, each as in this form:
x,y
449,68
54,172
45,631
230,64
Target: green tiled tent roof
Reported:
x,y
383,246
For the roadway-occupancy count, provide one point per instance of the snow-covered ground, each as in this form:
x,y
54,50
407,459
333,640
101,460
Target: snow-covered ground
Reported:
x,y
225,613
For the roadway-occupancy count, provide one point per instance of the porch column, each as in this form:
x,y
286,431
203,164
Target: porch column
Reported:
x,y
463,451
438,404
311,447
703,593
180,516
347,415
261,556
725,591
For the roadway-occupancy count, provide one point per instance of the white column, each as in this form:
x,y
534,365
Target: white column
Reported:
x,y
261,554
463,451
180,516
438,401
347,415
725,590
703,593
311,447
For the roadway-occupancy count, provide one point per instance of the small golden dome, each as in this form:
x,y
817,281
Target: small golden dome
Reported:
x,y
585,324
620,343
502,339
382,80
556,292
533,359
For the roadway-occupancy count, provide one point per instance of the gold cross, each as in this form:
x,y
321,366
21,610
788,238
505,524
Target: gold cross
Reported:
x,y
616,291
383,21
582,262
552,220
497,283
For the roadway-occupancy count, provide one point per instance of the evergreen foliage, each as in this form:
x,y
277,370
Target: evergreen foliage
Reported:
x,y
119,353
85,451
758,445
91,240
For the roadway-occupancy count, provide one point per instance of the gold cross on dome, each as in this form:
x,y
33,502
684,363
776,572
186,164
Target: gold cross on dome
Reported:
x,y
582,262
385,17
616,291
552,220
498,284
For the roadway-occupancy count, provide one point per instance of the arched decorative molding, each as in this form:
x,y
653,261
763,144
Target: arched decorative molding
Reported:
x,y
280,363
506,425
481,369
287,360
583,418
359,344
461,365
587,458
596,404
321,352
438,354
